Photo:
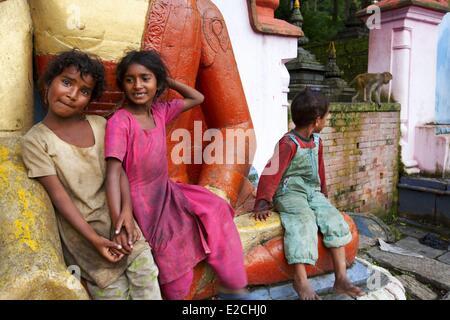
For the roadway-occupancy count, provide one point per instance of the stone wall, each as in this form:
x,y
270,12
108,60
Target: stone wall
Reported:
x,y
361,152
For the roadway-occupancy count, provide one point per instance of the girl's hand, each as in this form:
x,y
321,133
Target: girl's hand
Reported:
x,y
191,97
170,82
122,240
108,249
126,221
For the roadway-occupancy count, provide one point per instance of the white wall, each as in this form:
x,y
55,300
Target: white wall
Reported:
x,y
406,45
260,59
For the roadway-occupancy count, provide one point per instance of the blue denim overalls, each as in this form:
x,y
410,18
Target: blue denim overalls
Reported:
x,y
303,208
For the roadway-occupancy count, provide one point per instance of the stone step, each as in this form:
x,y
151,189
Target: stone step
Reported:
x,y
429,228
425,269
384,288
445,258
413,244
416,289
411,231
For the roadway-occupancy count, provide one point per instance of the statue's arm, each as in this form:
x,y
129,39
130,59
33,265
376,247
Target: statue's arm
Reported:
x,y
225,106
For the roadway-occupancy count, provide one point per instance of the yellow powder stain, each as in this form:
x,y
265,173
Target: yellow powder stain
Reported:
x,y
4,154
22,232
249,224
22,226
4,177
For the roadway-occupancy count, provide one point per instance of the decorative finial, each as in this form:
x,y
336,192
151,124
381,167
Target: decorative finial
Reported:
x,y
332,70
332,50
296,16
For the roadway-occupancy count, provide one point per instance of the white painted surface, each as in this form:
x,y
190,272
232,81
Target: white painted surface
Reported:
x,y
406,45
434,156
260,59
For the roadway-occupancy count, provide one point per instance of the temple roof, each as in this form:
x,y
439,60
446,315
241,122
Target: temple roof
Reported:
x,y
438,5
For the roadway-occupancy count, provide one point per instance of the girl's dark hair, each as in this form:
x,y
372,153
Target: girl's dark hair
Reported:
x,y
149,59
86,64
307,106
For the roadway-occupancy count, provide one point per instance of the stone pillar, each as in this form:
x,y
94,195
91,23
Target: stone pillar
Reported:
x,y
31,263
406,46
16,88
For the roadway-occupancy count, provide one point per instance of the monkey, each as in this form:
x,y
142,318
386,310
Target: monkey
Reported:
x,y
366,83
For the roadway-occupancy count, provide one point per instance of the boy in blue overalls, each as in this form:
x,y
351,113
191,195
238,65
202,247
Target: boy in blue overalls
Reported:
x,y
298,192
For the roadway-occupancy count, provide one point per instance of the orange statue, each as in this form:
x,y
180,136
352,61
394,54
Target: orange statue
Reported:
x,y
192,38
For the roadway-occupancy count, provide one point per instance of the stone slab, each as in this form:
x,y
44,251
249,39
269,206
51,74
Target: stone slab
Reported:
x,y
366,242
411,231
428,270
261,293
381,285
413,244
445,258
387,288
430,183
337,297
284,292
446,297
432,228
416,289
323,284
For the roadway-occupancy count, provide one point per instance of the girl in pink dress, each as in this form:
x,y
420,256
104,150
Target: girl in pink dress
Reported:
x,y
184,224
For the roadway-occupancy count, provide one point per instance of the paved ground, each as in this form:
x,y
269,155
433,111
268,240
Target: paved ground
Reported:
x,y
377,283
425,278
386,275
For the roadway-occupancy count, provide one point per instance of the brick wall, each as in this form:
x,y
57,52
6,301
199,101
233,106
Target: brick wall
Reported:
x,y
361,156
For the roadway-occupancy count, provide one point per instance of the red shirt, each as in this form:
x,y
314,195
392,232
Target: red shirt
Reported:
x,y
285,151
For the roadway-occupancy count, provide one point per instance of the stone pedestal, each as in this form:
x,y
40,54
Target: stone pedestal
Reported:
x,y
305,70
337,88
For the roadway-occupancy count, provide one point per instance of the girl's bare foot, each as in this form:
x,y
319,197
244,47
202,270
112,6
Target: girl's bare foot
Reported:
x,y
346,287
305,291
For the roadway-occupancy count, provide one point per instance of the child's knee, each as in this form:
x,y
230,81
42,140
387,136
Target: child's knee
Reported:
x,y
337,235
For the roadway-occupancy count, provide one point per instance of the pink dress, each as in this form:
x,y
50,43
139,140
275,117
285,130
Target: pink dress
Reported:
x,y
183,223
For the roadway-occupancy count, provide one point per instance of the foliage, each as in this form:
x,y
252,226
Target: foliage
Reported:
x,y
323,19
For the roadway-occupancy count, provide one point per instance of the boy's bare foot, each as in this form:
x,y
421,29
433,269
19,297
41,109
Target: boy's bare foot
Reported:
x,y
305,291
346,287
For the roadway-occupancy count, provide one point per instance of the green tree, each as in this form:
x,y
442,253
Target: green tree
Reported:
x,y
323,19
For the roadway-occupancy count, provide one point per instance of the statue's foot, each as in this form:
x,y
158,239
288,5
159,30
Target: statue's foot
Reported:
x,y
344,286
305,291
